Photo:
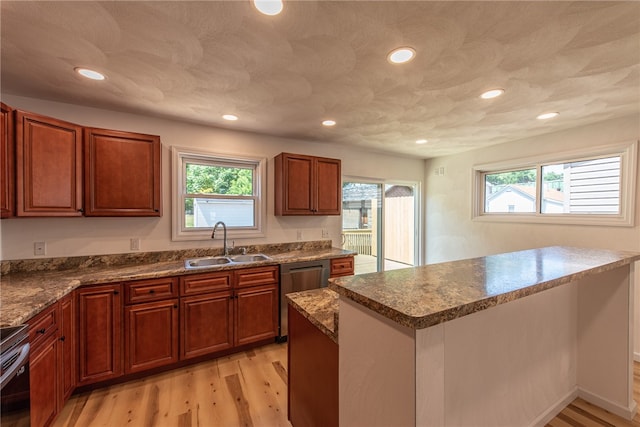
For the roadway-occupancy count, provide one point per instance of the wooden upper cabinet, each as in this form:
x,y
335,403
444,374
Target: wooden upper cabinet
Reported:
x,y
122,173
307,185
48,166
7,162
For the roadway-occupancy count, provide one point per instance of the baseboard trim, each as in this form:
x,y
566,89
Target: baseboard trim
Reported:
x,y
624,412
550,413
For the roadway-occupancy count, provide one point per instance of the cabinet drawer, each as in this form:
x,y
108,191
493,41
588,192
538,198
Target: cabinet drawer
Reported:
x,y
150,290
201,283
256,276
42,325
342,267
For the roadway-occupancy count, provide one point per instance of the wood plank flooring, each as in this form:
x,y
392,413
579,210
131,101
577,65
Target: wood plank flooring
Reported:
x,y
247,389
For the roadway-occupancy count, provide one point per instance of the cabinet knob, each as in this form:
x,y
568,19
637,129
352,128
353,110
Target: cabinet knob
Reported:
x,y
41,331
175,305
81,210
62,338
152,291
116,292
156,210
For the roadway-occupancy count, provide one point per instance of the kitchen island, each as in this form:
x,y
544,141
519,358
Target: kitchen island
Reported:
x,y
506,340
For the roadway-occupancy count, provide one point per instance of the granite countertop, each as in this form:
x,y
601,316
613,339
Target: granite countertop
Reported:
x,y
428,295
25,294
320,307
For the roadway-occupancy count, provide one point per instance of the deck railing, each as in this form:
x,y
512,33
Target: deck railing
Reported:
x,y
357,240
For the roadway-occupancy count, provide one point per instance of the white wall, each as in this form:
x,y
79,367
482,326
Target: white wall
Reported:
x,y
90,236
451,234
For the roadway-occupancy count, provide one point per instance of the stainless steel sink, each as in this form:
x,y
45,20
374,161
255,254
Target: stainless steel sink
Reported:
x,y
212,261
250,258
206,262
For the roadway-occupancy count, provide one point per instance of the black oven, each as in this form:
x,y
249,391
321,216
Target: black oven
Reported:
x,y
14,376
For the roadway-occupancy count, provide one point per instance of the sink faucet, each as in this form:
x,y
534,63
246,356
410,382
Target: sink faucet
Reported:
x,y
225,251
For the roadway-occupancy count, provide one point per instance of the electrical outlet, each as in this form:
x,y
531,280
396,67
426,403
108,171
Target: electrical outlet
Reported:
x,y
299,234
325,233
134,244
39,248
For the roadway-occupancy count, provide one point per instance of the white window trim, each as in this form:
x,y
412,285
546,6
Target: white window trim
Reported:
x,y
628,152
178,231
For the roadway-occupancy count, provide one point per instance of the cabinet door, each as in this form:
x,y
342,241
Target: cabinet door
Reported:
x,y
122,174
328,186
67,344
7,162
294,178
100,333
151,335
48,166
256,314
43,382
206,324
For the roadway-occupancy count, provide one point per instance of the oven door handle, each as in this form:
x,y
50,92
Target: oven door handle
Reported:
x,y
14,369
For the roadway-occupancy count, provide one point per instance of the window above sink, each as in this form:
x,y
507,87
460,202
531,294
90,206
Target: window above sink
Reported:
x,y
209,187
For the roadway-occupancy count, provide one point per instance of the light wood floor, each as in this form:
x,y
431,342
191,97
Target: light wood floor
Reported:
x,y
245,389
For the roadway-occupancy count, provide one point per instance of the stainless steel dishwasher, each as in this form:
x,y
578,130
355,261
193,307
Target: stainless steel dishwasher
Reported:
x,y
299,276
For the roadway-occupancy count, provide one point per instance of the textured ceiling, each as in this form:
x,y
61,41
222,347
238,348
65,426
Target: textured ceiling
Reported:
x,y
283,75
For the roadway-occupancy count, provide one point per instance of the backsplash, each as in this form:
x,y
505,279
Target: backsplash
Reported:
x,y
74,263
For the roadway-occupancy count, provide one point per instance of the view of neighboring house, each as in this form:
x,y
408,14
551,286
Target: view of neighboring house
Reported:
x,y
590,186
522,198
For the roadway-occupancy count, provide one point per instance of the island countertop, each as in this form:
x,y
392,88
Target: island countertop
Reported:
x,y
320,307
424,296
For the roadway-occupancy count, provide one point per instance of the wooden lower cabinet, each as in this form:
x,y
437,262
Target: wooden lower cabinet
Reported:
x,y
312,374
47,364
67,364
151,335
342,266
256,313
206,324
43,371
99,333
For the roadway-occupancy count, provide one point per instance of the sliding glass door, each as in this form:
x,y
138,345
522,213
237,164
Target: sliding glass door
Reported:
x,y
380,223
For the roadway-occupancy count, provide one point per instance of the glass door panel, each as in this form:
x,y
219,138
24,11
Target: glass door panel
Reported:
x,y
361,225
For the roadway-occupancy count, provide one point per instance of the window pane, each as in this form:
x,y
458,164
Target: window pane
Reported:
x,y
585,187
207,179
204,213
510,192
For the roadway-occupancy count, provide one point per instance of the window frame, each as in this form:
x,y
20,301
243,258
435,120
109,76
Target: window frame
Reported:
x,y
180,157
628,152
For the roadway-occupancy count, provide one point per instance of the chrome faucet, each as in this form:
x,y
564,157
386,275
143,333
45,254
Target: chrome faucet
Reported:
x,y
225,251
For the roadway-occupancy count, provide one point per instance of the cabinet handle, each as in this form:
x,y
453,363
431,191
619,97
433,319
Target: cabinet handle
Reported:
x,y
62,338
156,210
41,331
116,292
152,291
81,210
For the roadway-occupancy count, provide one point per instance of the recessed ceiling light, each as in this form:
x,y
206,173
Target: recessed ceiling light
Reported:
x,y
268,7
401,55
230,117
493,93
546,116
421,141
90,74
329,123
